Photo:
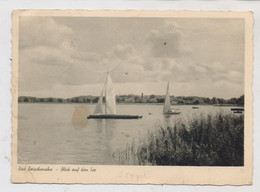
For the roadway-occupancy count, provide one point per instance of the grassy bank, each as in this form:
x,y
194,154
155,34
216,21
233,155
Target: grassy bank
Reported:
x,y
204,140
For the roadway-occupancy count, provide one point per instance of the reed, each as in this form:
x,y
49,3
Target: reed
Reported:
x,y
204,140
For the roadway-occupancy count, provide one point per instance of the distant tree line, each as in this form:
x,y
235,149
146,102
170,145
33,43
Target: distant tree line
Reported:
x,y
131,98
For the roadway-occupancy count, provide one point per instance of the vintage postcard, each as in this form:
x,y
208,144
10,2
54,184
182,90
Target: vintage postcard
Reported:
x,y
132,97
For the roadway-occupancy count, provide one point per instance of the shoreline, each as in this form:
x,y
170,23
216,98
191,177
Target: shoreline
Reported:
x,y
133,104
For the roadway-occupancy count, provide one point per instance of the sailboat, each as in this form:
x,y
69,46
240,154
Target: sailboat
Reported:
x,y
167,110
110,104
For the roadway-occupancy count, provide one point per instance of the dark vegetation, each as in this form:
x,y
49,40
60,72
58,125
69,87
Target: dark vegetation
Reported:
x,y
205,140
180,100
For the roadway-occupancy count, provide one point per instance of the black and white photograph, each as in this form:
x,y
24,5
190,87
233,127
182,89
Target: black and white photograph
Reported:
x,y
157,91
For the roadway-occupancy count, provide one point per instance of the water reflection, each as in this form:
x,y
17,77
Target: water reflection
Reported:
x,y
100,126
167,120
104,129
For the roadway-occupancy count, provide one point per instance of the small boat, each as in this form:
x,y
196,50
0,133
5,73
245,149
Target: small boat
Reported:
x,y
237,109
110,104
195,107
167,110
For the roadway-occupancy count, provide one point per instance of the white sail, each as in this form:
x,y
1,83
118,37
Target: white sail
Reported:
x,y
167,102
110,97
98,109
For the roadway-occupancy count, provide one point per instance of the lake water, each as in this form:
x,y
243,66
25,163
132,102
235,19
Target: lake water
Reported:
x,y
62,134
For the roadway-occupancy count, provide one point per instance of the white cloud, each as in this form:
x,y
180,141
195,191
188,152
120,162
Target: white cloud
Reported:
x,y
52,59
41,31
167,41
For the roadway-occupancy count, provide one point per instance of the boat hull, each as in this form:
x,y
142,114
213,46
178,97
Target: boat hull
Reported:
x,y
172,113
104,116
237,109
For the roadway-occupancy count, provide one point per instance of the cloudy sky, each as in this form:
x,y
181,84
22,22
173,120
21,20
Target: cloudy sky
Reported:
x,y
69,56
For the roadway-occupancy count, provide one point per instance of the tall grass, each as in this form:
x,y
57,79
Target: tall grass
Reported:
x,y
204,140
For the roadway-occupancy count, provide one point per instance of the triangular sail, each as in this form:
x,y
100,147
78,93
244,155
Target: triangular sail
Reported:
x,y
98,109
110,97
167,102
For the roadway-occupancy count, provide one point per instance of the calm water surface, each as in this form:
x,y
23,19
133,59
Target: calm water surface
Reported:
x,y
62,134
